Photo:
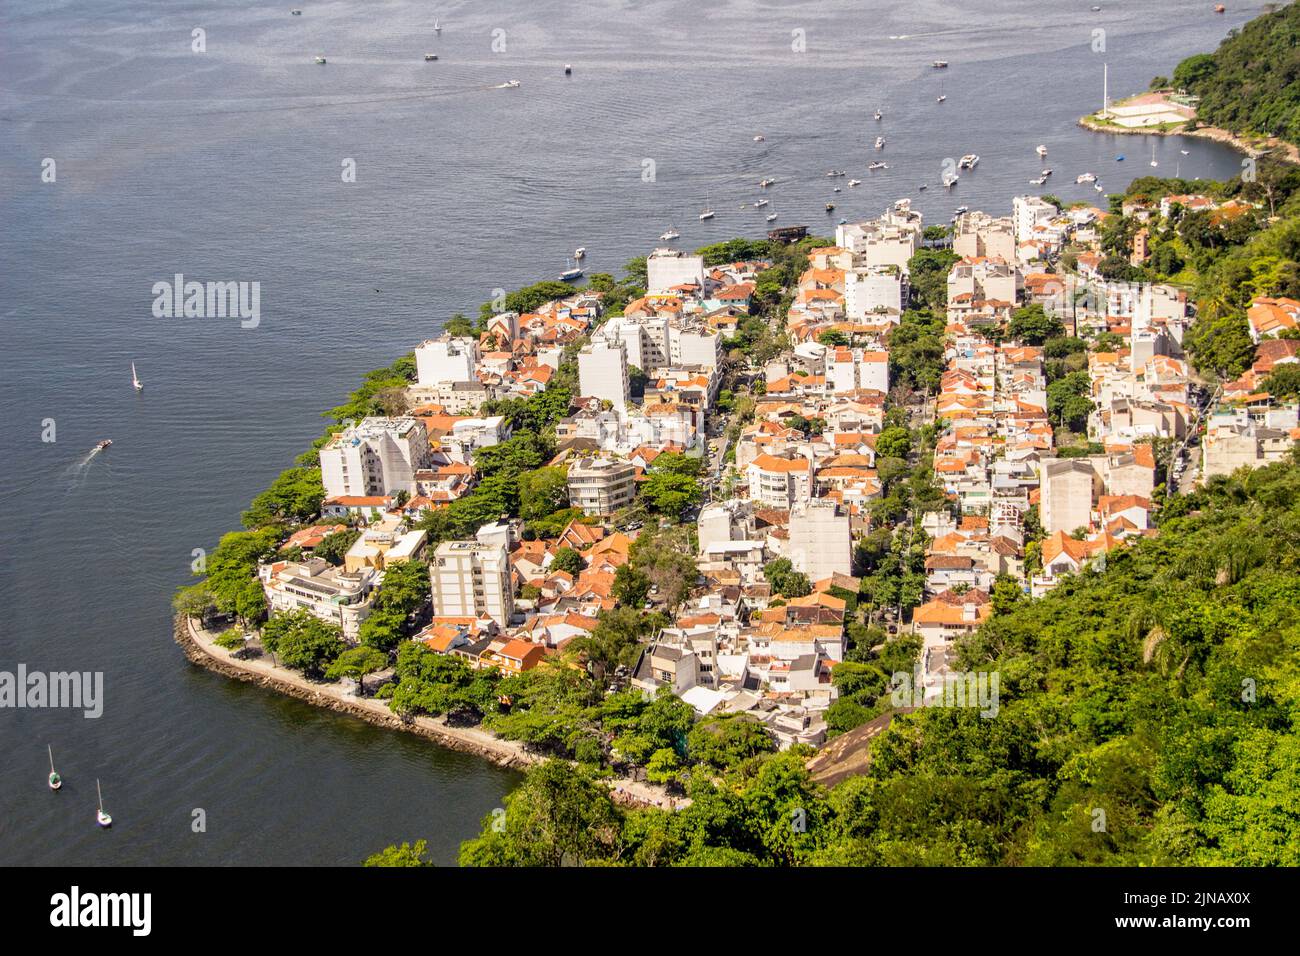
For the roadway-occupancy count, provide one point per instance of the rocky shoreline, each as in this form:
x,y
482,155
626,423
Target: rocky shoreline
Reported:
x,y
1289,152
503,753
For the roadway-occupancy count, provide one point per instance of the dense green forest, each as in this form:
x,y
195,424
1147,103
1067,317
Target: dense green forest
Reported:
x,y
1148,715
1251,84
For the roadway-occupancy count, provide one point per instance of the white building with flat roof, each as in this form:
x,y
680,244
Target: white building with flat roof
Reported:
x,y
471,578
666,268
820,540
379,456
445,360
602,372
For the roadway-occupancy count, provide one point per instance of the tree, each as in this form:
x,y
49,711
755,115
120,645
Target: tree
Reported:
x,y
195,601
303,642
1283,383
1031,325
785,580
631,586
671,493
833,338
404,855
566,559
894,442
232,573
357,662
336,545
232,640
1068,402
405,589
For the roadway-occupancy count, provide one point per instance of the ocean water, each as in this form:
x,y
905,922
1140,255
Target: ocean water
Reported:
x,y
227,165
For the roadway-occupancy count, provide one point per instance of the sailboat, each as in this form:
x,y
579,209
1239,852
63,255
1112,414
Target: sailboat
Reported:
x,y
135,379
55,780
941,97
571,273
437,27
1153,155
670,235
708,210
102,818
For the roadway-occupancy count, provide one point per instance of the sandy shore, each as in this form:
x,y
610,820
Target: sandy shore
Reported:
x,y
199,647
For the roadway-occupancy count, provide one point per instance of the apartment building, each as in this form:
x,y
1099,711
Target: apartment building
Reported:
x,y
668,268
379,456
1066,502
472,578
446,359
332,594
601,486
820,540
602,372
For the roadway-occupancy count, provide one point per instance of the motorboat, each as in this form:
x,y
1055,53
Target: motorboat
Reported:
x,y
1085,178
878,115
968,161
880,142
761,203
430,57
580,252
877,165
830,206
855,182
758,138
571,273
100,446
940,64
763,184
950,180
320,60
670,235
771,216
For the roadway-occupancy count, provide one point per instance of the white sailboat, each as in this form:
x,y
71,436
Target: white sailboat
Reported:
x,y
1153,155
55,780
135,379
670,235
708,209
102,818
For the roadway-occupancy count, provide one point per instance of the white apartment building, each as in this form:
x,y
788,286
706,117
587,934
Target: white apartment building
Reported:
x,y
379,456
322,590
779,482
1029,212
848,370
470,578
445,360
820,540
873,290
601,486
1066,494
666,268
602,372
977,234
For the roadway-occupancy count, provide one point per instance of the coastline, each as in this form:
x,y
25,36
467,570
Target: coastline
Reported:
x,y
197,645
1289,152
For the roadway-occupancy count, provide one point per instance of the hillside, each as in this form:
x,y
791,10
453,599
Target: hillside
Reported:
x,y
1251,84
1149,715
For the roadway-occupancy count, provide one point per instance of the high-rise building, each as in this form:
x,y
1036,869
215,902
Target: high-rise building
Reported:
x,y
1066,502
601,486
820,540
379,456
470,578
447,359
602,373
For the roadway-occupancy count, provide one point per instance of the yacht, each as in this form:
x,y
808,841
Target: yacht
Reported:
x,y
100,446
855,182
1038,181
1041,150
580,252
950,180
761,203
430,57
878,115
571,273
1085,178
135,380
707,214
758,138
102,818
968,161
1045,173
510,84
437,27
771,216
670,235
880,142
877,165
940,64
763,184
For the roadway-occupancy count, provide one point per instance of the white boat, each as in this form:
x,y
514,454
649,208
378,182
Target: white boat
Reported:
x,y
855,182
320,60
102,818
571,273
880,142
437,27
1045,173
763,184
877,165
960,211
771,216
950,180
879,115
830,207
1183,151
1097,187
1041,150
430,57
968,161
758,138
510,84
761,203
837,190
1038,181
1153,155
135,379
101,445
55,780
580,252
568,70
1085,178
670,235
940,64
707,214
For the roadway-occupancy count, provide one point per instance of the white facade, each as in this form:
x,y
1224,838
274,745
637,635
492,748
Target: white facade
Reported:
x,y
820,540
445,360
1066,502
872,290
666,268
1028,212
377,457
469,578
602,373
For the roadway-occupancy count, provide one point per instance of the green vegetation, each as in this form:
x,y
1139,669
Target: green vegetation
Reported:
x,y
1160,691
1251,84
